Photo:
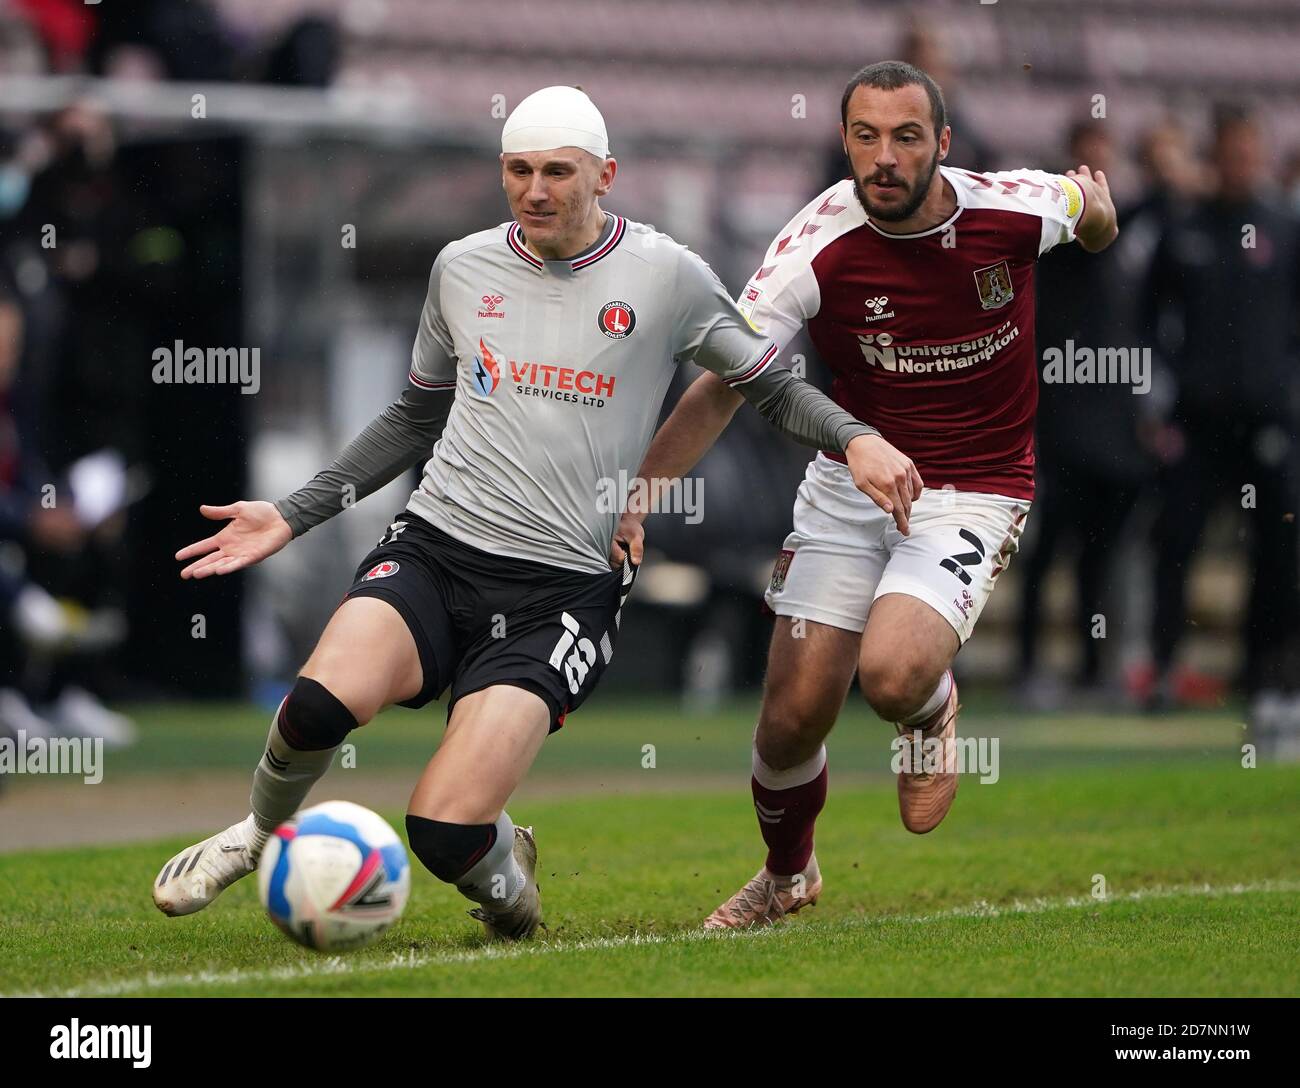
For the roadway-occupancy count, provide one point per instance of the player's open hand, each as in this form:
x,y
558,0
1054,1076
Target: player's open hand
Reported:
x,y
885,476
255,531
629,538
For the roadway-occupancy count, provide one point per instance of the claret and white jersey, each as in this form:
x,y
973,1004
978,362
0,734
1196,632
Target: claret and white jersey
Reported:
x,y
559,370
929,336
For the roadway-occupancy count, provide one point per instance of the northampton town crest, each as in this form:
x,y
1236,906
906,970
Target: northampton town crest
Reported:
x,y
994,285
780,569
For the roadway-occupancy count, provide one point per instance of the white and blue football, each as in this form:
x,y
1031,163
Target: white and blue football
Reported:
x,y
334,877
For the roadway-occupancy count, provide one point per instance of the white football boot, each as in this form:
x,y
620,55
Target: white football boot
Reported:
x,y
199,873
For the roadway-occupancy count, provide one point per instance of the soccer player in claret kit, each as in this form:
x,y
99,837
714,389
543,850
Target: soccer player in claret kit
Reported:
x,y
916,283
543,354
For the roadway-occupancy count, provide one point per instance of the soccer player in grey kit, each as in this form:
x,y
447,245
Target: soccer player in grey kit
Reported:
x,y
543,354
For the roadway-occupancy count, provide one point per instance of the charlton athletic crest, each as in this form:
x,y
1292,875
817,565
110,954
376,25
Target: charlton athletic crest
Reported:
x,y
617,320
994,285
381,570
780,570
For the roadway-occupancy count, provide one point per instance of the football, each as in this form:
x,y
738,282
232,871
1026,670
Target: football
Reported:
x,y
335,877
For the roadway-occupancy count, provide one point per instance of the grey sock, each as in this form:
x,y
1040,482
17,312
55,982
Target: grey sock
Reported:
x,y
283,778
496,880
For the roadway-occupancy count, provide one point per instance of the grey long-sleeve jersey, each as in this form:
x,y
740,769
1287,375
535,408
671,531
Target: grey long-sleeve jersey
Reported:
x,y
535,387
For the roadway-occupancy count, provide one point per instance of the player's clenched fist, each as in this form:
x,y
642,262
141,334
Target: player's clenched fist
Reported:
x,y
256,530
629,540
887,477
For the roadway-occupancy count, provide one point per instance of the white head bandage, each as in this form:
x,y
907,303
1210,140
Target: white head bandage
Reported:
x,y
555,117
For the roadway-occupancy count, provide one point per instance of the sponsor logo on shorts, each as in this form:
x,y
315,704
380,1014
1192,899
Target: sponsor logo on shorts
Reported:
x,y
780,569
617,320
490,304
994,285
382,570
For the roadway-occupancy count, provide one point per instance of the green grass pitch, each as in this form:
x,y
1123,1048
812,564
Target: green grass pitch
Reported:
x,y
1200,858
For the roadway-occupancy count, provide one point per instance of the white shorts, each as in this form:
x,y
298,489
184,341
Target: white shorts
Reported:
x,y
845,552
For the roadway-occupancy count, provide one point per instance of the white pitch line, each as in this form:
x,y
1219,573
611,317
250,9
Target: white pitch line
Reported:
x,y
339,965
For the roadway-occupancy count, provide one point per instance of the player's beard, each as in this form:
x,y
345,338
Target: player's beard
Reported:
x,y
916,195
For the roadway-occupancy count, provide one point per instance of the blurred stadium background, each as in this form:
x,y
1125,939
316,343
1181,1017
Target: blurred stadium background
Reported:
x,y
279,175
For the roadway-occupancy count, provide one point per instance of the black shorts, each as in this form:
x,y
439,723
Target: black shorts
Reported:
x,y
480,619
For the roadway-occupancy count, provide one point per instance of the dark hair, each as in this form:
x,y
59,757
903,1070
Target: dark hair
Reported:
x,y
890,75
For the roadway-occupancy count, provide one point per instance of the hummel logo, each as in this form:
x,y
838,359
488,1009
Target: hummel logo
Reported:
x,y
490,304
876,308
769,815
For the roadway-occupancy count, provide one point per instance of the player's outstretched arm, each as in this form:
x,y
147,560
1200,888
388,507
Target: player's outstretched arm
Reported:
x,y
1099,225
400,436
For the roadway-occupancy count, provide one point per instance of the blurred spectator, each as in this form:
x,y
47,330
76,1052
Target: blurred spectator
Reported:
x,y
924,47
1172,178
1224,292
47,646
66,243
1090,465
